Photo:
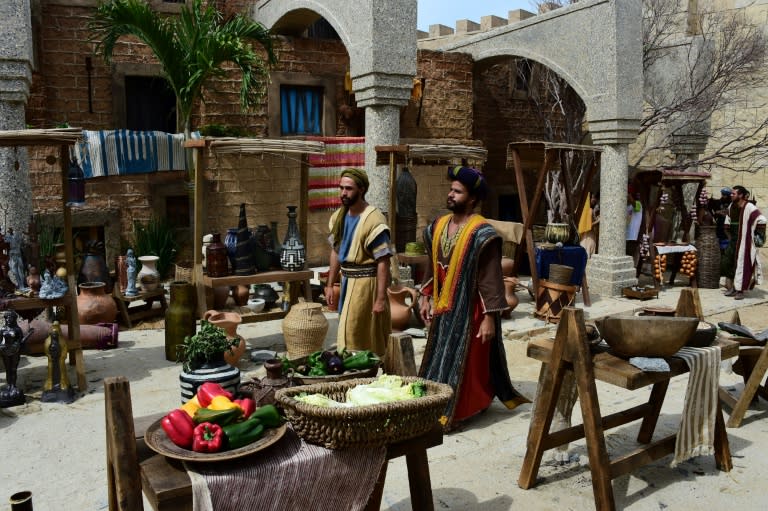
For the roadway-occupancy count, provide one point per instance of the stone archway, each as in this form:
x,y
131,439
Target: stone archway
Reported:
x,y
596,46
380,38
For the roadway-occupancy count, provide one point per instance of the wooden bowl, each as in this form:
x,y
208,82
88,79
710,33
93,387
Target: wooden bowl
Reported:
x,y
703,336
646,336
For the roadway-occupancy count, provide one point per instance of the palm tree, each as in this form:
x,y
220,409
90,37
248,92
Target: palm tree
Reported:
x,y
191,47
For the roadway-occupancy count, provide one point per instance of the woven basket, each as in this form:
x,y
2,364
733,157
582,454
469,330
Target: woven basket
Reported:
x,y
552,298
362,426
304,329
708,248
560,273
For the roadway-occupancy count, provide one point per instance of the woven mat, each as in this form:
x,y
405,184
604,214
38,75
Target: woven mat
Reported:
x,y
291,474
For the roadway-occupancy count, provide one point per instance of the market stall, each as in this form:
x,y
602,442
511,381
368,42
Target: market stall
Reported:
x,y
667,220
64,138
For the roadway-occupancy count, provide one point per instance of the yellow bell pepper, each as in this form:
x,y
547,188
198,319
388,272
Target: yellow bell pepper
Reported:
x,y
191,406
221,403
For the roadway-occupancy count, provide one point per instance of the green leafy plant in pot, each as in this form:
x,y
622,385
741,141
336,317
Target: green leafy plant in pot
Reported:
x,y
205,347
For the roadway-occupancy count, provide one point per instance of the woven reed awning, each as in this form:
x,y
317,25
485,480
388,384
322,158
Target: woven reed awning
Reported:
x,y
431,153
50,137
264,145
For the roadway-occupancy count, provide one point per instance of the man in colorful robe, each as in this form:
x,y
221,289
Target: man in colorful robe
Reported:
x,y
462,298
360,250
750,235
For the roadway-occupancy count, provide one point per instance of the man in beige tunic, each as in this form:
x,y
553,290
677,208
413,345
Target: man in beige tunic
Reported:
x,y
360,249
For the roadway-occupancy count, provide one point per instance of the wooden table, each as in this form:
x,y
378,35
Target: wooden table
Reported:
x,y
292,280
570,352
168,488
130,314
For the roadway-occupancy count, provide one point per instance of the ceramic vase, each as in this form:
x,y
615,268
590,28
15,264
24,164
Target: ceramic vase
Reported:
x,y
148,277
293,254
228,321
216,257
94,305
399,307
243,250
267,293
265,388
218,371
94,269
121,273
179,317
240,294
230,241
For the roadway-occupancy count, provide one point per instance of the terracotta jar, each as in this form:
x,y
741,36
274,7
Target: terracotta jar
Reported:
x,y
240,294
507,266
400,310
216,257
264,389
94,305
229,321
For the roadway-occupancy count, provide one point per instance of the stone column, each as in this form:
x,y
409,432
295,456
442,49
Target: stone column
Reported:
x,y
15,80
611,269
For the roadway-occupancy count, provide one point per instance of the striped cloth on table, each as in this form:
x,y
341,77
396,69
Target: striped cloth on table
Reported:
x,y
697,423
325,169
291,474
124,152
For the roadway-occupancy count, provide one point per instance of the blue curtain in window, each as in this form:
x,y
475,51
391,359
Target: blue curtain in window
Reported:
x,y
301,110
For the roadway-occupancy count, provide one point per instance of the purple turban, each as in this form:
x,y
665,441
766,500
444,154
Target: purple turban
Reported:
x,y
471,178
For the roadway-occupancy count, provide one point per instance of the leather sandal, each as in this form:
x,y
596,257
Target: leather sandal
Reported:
x,y
731,292
739,296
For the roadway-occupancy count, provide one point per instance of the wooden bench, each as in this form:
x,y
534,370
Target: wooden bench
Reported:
x,y
570,352
146,310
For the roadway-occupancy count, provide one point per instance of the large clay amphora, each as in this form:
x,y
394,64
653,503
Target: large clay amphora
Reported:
x,y
400,310
179,317
94,306
228,321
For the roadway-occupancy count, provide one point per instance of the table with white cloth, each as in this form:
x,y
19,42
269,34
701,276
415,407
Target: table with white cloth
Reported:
x,y
674,252
570,351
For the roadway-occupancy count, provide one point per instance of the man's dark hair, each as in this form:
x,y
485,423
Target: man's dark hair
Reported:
x,y
742,191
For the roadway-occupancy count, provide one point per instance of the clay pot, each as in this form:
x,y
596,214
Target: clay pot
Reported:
x,y
103,336
121,272
240,294
557,232
510,283
229,321
400,310
94,305
266,293
220,296
264,389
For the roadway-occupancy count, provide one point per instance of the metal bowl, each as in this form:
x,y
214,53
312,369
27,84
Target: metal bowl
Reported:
x,y
646,336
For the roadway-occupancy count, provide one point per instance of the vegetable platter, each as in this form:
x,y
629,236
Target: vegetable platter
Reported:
x,y
213,426
329,366
342,426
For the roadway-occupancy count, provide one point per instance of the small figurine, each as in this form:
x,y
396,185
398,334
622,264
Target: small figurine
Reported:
x,y
52,287
57,388
130,261
33,279
11,340
15,260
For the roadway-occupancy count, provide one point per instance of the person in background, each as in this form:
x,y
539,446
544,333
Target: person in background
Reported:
x,y
360,250
718,208
462,297
634,221
588,225
749,235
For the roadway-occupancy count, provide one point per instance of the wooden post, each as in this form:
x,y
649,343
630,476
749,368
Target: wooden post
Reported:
x,y
197,242
399,358
689,304
123,481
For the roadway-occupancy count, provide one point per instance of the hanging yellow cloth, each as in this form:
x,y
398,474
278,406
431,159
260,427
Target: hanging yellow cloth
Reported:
x,y
585,222
417,89
348,82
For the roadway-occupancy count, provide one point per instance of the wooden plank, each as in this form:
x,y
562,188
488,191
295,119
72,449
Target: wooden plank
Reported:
x,y
739,409
258,278
611,421
642,456
122,463
197,242
399,356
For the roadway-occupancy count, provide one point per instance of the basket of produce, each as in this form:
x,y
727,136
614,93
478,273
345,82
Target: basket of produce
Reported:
x,y
213,426
328,366
640,292
364,412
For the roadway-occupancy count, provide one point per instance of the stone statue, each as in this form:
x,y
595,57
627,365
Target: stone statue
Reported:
x,y
33,279
11,339
52,287
16,261
130,261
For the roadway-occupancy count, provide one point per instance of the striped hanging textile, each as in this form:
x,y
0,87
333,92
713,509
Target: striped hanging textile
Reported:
x,y
124,152
325,169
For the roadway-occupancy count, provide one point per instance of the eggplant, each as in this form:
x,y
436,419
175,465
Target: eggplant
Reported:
x,y
327,355
335,365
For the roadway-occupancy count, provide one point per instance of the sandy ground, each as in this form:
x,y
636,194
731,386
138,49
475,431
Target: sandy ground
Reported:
x,y
58,451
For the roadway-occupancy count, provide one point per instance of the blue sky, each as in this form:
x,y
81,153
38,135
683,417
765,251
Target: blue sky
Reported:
x,y
446,12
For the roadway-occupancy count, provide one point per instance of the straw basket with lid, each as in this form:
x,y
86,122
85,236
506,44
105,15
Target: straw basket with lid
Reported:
x,y
304,329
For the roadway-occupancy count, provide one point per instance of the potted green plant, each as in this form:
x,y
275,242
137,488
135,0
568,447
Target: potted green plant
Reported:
x,y
202,356
206,347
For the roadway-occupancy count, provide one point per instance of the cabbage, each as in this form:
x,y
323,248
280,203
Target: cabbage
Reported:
x,y
385,389
319,400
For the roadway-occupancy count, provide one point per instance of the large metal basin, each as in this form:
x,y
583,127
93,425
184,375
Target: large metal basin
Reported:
x,y
646,336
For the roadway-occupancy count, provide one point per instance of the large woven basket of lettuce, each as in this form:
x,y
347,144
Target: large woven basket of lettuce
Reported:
x,y
364,412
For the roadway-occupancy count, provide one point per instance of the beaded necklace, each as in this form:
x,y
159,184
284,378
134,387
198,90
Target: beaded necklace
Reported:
x,y
447,243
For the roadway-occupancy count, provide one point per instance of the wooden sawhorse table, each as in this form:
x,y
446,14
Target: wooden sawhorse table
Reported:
x,y
168,488
570,352
130,314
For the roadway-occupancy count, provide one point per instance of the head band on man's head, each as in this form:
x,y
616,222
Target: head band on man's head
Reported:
x,y
358,176
471,178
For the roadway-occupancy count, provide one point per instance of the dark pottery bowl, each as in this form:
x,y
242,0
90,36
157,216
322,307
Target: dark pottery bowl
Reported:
x,y
703,336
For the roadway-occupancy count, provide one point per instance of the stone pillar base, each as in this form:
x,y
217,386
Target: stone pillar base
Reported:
x,y
607,275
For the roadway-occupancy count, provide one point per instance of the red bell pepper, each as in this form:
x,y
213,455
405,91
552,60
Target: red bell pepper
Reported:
x,y
208,391
247,405
208,437
179,428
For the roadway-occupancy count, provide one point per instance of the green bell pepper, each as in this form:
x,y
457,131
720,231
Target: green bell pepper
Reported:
x,y
268,415
220,417
317,371
243,433
361,360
